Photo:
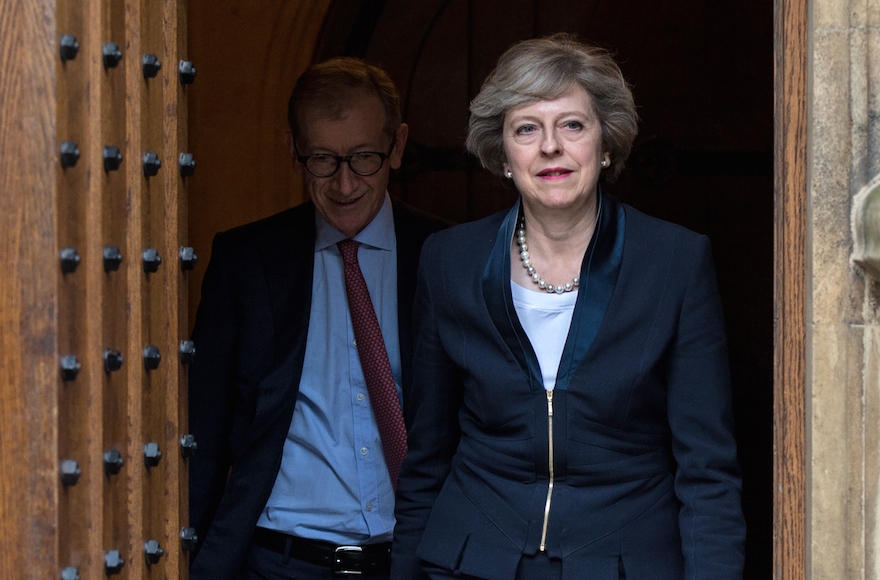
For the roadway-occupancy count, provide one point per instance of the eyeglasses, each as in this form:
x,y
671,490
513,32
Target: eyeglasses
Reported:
x,y
363,163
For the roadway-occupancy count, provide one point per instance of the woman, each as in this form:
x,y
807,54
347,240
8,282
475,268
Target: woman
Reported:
x,y
570,415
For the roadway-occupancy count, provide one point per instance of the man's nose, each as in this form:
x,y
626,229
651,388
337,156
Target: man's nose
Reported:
x,y
346,179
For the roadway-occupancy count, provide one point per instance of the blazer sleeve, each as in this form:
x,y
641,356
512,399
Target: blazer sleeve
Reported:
x,y
707,479
211,388
433,405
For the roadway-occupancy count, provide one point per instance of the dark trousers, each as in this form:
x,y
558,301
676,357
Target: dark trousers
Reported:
x,y
263,564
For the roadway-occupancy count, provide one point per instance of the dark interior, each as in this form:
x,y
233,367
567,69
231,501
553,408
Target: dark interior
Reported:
x,y
702,76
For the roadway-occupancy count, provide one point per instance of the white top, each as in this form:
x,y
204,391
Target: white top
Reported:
x,y
546,319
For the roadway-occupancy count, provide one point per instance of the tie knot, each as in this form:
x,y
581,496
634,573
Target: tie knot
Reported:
x,y
348,249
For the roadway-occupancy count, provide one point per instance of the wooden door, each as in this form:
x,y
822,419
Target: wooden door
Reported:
x,y
93,382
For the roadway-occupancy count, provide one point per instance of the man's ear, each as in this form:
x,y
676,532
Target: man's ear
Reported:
x,y
291,148
399,145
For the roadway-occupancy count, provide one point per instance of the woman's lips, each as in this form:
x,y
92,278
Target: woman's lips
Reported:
x,y
554,172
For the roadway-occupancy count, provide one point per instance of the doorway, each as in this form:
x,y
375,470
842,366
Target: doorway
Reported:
x,y
702,76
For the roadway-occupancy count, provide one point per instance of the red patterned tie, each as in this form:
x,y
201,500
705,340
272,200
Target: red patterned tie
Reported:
x,y
374,362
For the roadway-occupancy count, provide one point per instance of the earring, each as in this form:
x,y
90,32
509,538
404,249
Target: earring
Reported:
x,y
605,162
509,174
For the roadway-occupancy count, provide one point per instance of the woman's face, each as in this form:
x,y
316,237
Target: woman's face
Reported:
x,y
554,150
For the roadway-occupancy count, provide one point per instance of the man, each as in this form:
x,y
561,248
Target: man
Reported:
x,y
298,452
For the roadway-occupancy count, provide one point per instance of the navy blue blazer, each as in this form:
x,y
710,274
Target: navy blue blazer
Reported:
x,y
250,336
645,477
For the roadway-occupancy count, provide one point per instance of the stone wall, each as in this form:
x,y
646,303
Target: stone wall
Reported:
x,y
843,310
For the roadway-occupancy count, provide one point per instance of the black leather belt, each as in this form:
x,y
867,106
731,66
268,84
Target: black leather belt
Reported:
x,y
342,560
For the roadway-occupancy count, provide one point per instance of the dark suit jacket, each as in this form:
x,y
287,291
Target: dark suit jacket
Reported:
x,y
646,481
250,338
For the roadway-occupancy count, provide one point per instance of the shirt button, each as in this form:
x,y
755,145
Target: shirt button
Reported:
x,y
369,507
364,451
354,342
360,396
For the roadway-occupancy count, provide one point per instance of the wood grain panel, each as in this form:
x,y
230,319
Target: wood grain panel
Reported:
x,y
170,214
79,401
118,309
28,294
127,23
789,525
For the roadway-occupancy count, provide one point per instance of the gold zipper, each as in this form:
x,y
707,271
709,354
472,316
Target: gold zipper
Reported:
x,y
549,485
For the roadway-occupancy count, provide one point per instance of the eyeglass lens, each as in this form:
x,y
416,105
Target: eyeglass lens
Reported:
x,y
361,163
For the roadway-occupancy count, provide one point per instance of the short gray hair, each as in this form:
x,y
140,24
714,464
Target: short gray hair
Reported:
x,y
543,69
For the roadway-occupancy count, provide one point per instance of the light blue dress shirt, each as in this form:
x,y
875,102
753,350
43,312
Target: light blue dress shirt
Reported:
x,y
333,484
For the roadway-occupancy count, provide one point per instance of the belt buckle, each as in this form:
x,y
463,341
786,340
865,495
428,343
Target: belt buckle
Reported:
x,y
338,567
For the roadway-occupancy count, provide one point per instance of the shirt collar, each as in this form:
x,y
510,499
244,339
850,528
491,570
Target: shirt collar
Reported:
x,y
379,233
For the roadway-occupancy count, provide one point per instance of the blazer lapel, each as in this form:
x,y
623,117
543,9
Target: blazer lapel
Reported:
x,y
409,246
499,300
599,272
288,263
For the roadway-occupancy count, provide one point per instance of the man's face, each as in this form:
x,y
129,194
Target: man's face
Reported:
x,y
347,201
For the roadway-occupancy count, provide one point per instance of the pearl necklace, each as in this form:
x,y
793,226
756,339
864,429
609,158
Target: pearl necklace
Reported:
x,y
527,264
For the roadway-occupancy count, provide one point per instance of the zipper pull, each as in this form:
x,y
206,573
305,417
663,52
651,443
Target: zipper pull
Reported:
x,y
550,403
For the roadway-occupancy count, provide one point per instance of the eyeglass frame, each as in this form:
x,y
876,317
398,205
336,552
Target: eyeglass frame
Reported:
x,y
346,159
